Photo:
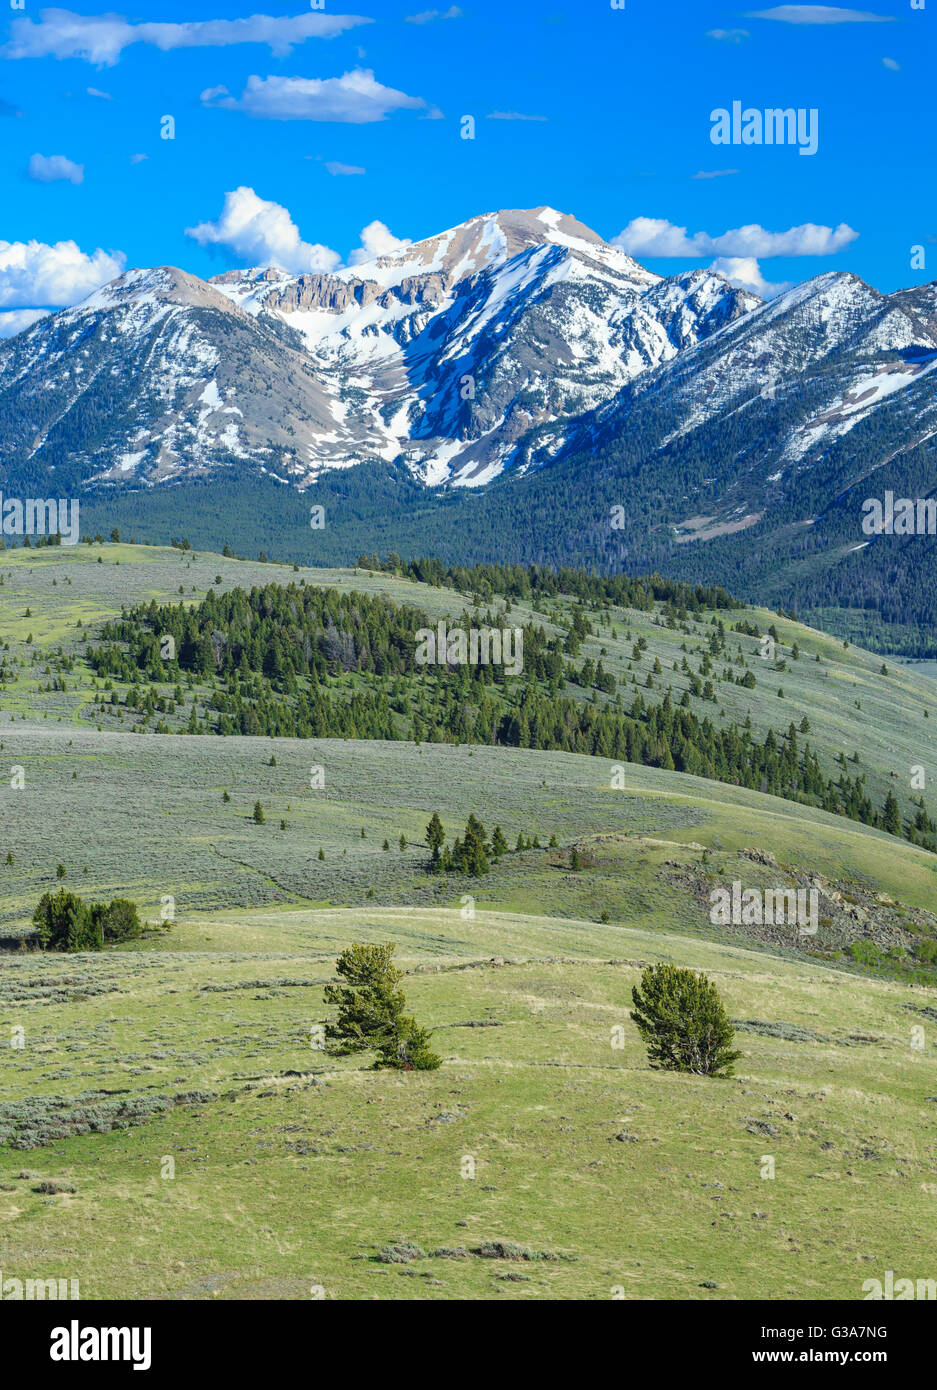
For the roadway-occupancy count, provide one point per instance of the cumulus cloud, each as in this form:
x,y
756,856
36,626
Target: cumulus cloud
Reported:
x,y
745,273
101,39
262,233
376,240
654,236
427,16
33,273
338,169
355,98
55,168
16,320
819,14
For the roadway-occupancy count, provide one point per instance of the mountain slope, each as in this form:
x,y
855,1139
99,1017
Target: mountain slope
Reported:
x,y
462,343
441,356
155,375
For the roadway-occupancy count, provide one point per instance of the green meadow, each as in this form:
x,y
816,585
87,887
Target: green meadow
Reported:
x,y
171,1127
294,1175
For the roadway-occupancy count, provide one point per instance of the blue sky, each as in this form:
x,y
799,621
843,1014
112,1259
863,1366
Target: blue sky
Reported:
x,y
601,112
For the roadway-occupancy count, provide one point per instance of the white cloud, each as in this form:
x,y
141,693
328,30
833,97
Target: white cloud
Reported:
x,y
819,14
335,167
808,239
355,98
262,233
427,16
101,39
728,35
745,273
138,158
714,173
376,240
33,273
55,168
17,319
891,65
96,92
512,116
653,236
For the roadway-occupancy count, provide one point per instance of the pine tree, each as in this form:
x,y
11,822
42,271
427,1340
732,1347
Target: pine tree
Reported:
x,y
118,921
891,815
435,837
369,1003
372,1011
683,1022
65,923
259,816
474,850
413,1052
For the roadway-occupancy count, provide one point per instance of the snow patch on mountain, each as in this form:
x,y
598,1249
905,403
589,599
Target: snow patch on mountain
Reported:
x,y
502,343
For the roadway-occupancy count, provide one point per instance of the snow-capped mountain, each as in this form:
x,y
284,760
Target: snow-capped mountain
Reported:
x,y
455,347
536,371
775,398
442,357
153,376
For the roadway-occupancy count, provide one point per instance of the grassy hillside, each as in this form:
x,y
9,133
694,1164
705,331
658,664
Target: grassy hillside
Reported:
x,y
875,714
144,817
293,1171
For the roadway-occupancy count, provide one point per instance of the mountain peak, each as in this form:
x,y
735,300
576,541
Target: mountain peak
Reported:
x,y
489,240
500,343
163,284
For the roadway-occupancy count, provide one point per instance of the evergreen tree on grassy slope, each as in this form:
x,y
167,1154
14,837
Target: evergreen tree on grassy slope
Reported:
x,y
683,1022
372,1011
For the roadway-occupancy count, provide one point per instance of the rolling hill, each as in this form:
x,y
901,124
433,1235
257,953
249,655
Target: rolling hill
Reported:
x,y
174,1087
